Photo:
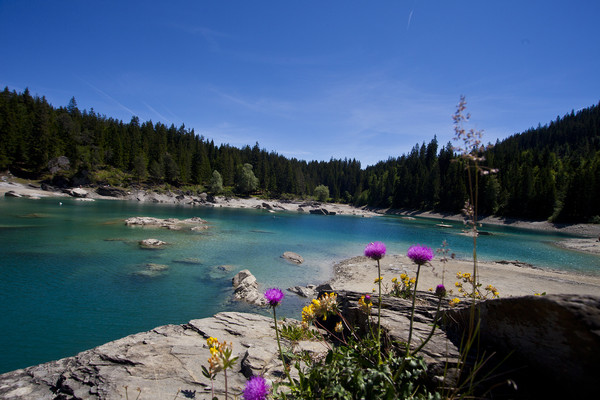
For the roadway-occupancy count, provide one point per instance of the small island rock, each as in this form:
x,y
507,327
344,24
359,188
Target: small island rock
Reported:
x,y
293,257
194,223
152,244
246,288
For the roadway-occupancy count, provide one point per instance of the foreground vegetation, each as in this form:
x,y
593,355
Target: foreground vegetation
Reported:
x,y
550,172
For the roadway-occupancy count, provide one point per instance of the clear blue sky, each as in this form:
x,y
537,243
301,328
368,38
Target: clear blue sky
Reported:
x,y
309,79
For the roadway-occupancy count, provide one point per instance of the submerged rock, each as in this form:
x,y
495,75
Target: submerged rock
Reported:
x,y
293,257
152,270
188,260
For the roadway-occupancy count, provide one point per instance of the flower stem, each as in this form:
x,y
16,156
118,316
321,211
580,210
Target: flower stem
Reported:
x,y
379,315
226,394
281,352
437,313
412,312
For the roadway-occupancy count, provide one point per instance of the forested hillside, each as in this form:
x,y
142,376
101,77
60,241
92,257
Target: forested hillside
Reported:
x,y
551,172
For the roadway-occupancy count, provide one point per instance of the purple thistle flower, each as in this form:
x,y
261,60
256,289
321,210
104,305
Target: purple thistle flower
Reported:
x,y
256,389
375,250
420,254
274,296
440,290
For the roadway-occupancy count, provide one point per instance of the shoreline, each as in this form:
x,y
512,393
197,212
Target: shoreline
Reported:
x,y
579,229
588,241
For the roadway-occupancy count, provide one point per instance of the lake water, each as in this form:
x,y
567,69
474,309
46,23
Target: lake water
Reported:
x,y
70,275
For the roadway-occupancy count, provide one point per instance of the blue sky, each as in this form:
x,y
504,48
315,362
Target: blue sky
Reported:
x,y
309,79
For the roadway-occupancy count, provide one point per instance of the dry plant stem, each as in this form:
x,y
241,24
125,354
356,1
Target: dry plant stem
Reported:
x,y
474,222
379,315
412,313
323,339
287,373
347,325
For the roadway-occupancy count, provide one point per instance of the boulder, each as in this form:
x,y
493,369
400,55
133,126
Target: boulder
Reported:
x,y
553,338
303,291
395,322
152,244
59,164
245,288
293,257
110,191
12,193
76,192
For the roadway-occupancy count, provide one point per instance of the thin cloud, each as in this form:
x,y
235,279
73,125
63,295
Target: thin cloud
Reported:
x,y
159,115
210,36
112,99
409,19
263,105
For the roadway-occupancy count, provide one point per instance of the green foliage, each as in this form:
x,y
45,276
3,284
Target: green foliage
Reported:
x,y
295,333
353,372
247,181
216,183
110,176
321,193
550,172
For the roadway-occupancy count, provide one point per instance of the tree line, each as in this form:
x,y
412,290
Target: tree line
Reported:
x,y
550,172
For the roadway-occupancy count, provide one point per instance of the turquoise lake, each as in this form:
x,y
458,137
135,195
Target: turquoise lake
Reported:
x,y
70,273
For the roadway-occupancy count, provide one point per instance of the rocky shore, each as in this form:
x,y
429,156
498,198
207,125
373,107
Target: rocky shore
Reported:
x,y
166,362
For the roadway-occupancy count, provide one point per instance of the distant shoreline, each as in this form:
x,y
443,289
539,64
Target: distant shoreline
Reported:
x,y
588,242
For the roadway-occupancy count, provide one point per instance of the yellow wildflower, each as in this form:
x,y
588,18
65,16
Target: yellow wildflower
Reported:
x,y
394,280
308,313
377,280
365,305
339,327
403,276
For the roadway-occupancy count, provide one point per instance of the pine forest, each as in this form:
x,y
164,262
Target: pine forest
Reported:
x,y
551,172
